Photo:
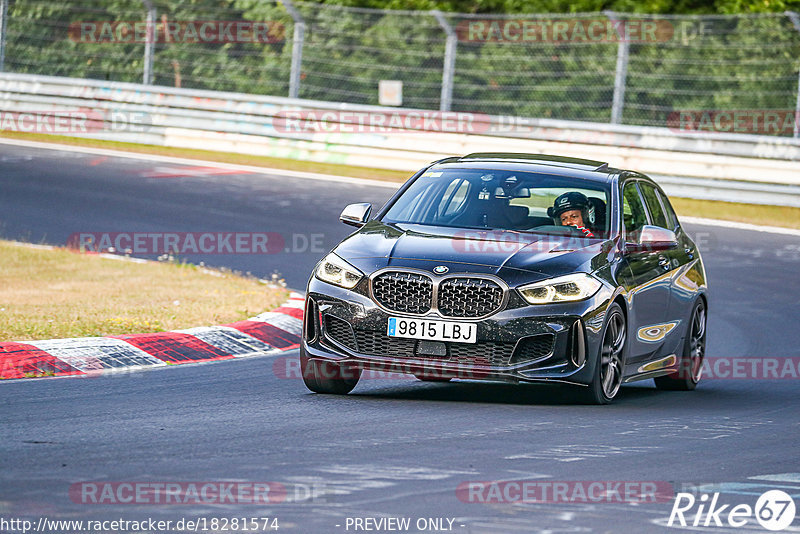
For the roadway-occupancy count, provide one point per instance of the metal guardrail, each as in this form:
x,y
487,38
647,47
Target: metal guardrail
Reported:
x,y
733,167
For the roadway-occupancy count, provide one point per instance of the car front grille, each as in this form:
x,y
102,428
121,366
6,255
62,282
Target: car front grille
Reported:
x,y
486,353
379,344
403,292
482,353
466,297
469,297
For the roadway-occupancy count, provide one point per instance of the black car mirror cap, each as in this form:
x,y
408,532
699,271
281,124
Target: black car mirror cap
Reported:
x,y
652,238
356,214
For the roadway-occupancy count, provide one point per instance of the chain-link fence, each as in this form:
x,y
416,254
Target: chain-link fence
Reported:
x,y
654,70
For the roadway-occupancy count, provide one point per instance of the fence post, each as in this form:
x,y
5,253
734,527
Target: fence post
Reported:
x,y
621,73
3,29
149,42
298,38
448,70
795,18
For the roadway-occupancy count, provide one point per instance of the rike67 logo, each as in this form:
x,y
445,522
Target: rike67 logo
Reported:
x,y
774,510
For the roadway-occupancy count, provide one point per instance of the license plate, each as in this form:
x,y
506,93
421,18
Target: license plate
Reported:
x,y
432,330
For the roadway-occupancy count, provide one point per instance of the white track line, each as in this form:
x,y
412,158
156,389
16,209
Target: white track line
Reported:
x,y
196,162
740,226
327,177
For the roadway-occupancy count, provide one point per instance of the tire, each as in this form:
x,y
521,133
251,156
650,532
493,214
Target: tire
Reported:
x,y
690,366
322,376
607,378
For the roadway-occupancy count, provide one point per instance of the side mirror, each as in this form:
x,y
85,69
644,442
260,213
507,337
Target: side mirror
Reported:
x,y
652,238
356,214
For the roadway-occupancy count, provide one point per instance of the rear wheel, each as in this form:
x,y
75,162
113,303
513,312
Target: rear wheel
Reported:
x,y
694,350
611,360
322,376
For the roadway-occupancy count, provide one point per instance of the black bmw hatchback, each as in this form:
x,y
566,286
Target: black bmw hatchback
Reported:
x,y
514,268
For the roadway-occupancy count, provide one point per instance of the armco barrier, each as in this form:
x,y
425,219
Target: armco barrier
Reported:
x,y
737,167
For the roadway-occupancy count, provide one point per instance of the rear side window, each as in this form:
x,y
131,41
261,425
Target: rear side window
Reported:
x,y
653,205
633,214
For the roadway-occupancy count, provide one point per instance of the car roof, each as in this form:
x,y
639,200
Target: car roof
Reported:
x,y
597,171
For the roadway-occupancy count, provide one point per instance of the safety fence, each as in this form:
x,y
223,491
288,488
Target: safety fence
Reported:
x,y
678,71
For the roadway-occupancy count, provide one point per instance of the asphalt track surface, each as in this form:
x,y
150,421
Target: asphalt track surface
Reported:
x,y
392,448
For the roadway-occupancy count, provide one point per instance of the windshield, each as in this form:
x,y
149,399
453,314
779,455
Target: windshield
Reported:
x,y
502,200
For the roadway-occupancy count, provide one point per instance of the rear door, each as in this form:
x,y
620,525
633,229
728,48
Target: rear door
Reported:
x,y
680,258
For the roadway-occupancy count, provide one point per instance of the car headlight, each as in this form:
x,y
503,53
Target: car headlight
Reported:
x,y
335,270
571,287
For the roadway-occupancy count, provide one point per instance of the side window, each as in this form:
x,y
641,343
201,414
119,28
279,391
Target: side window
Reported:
x,y
653,205
672,218
633,213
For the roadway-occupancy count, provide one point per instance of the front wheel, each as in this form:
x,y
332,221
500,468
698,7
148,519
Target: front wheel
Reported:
x,y
607,377
694,350
322,376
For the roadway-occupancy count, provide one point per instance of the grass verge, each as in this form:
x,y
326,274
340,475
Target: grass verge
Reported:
x,y
48,294
783,216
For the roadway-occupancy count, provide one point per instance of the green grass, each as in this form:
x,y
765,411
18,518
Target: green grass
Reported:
x,y
58,293
783,216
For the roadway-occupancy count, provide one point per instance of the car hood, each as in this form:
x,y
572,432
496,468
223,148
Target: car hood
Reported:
x,y
511,255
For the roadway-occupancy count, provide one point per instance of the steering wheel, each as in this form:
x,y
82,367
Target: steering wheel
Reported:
x,y
559,230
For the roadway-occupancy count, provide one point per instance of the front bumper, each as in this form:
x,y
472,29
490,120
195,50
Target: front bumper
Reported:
x,y
521,343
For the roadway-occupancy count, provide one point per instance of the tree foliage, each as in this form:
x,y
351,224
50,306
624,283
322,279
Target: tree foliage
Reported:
x,y
745,61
